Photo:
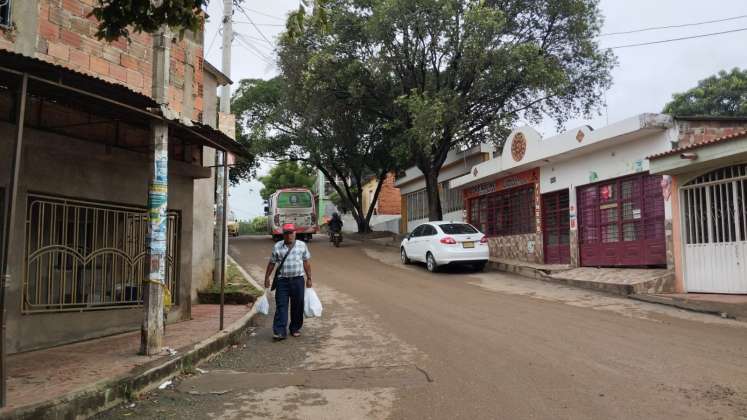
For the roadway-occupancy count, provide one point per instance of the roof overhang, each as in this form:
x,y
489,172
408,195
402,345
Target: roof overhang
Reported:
x,y
565,147
82,86
700,157
219,75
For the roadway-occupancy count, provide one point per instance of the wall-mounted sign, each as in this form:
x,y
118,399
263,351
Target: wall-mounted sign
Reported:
x,y
580,136
636,213
518,147
523,178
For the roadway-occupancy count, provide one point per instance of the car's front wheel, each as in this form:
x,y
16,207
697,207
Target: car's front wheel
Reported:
x,y
430,263
403,256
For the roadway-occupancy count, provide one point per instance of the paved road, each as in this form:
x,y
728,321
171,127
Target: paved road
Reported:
x,y
398,342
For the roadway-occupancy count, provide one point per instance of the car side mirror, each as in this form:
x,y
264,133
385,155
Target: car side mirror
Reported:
x,y
409,236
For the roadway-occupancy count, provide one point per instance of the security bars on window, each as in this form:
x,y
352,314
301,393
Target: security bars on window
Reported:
x,y
83,255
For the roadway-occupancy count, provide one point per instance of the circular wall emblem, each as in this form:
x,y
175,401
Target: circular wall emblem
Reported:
x,y
580,136
518,147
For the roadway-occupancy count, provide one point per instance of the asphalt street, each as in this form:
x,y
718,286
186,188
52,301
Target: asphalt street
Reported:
x,y
397,342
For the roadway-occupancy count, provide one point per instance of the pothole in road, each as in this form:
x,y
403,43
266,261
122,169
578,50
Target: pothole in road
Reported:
x,y
223,381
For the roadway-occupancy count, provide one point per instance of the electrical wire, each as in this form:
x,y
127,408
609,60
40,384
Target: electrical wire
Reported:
x,y
251,48
265,14
253,24
683,25
675,39
213,41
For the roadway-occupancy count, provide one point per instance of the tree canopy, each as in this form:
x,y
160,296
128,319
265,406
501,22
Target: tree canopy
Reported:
x,y
723,94
286,174
439,74
118,17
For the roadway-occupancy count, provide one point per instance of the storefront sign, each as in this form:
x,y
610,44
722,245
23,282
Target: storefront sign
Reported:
x,y
523,178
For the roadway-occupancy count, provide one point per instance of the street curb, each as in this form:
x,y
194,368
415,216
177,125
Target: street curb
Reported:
x,y
245,274
109,393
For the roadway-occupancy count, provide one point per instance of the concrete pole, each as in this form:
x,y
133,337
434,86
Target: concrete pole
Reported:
x,y
151,333
220,157
224,241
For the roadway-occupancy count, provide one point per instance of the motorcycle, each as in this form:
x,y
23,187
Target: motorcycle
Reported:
x,y
335,238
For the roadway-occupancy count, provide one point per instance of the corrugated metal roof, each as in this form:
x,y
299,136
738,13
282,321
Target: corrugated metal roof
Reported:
x,y
733,136
74,79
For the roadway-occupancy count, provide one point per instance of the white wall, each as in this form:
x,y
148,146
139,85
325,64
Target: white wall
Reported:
x,y
455,216
614,161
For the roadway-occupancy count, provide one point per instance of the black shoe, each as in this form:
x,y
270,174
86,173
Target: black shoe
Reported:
x,y
278,337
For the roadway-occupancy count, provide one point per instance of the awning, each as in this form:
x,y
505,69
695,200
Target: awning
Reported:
x,y
80,86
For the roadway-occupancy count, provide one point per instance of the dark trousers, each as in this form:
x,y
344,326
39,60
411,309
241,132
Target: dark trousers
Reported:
x,y
288,289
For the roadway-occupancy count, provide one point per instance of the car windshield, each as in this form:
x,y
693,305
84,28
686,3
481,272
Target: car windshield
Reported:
x,y
458,229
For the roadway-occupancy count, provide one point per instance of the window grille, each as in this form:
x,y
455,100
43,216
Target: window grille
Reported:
x,y
509,212
84,255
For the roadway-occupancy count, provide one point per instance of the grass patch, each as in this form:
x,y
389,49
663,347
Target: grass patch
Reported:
x,y
237,289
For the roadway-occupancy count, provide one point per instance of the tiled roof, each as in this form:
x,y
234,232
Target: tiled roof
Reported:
x,y
733,136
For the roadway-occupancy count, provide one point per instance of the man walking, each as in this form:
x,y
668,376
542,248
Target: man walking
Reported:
x,y
293,259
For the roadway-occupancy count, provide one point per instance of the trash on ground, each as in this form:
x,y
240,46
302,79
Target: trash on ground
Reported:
x,y
165,384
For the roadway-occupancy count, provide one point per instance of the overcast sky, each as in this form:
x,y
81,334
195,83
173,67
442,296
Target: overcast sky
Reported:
x,y
644,79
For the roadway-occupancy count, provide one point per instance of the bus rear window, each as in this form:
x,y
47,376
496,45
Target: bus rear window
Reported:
x,y
292,200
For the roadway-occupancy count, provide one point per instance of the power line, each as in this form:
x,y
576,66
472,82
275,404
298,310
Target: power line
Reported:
x,y
683,25
215,36
253,49
260,40
255,26
260,24
675,39
265,14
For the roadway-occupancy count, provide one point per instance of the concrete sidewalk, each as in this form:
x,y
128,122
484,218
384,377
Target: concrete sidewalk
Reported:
x,y
727,306
83,378
619,281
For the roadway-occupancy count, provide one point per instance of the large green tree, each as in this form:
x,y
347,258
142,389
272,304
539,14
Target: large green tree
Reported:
x,y
465,71
724,94
118,17
286,174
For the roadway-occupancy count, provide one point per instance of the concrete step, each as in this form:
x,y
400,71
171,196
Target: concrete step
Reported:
x,y
618,281
726,306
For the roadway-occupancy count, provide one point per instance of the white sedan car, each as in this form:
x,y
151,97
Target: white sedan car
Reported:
x,y
443,243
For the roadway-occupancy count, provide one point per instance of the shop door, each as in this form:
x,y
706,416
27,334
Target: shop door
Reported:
x,y
621,222
556,228
714,228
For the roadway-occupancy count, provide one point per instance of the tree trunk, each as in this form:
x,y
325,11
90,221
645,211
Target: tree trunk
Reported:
x,y
434,197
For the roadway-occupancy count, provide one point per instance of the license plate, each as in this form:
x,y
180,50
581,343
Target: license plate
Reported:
x,y
468,244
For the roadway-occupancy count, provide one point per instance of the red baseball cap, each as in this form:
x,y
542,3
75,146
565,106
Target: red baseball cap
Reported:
x,y
289,227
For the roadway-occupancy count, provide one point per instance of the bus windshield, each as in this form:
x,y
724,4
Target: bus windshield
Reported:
x,y
294,199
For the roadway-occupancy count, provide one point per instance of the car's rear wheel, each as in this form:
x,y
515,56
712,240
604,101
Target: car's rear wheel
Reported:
x,y
430,263
479,266
403,256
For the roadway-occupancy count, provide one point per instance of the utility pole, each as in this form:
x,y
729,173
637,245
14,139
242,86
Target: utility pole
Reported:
x,y
221,206
151,333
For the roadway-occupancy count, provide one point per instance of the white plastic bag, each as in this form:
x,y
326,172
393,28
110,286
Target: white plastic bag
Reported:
x,y
263,305
312,307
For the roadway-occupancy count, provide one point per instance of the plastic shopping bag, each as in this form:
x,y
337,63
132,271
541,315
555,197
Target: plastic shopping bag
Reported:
x,y
263,305
312,307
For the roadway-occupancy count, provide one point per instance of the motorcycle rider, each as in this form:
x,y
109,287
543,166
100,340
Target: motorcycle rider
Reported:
x,y
335,224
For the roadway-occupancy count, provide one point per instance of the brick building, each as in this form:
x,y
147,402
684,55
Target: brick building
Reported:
x,y
389,201
76,118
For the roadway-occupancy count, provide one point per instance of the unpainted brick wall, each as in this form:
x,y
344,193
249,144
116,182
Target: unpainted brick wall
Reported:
x,y
66,37
698,131
389,197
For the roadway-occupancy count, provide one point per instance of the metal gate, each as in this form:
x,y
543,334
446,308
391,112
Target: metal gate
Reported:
x,y
621,222
556,228
83,255
714,227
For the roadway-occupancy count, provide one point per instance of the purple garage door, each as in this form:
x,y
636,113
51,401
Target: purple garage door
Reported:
x,y
621,222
